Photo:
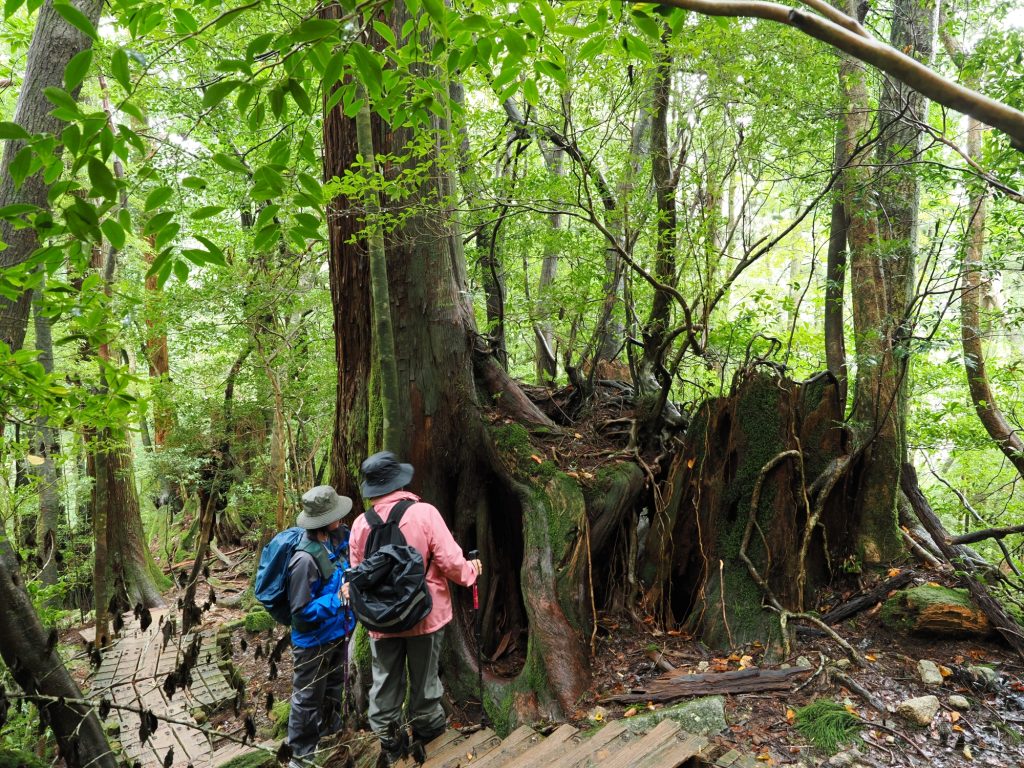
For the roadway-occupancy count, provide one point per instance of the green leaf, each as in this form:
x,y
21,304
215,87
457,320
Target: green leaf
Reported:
x,y
514,43
311,185
158,263
299,95
157,197
552,70
435,9
20,166
9,131
216,92
60,98
386,32
75,18
230,163
370,70
646,24
166,234
206,212
181,270
130,108
185,20
11,6
216,255
313,29
276,98
193,182
102,179
74,72
119,68
530,91
532,18
158,222
113,232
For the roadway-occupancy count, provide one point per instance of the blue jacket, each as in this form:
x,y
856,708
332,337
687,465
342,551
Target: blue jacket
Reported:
x,y
322,618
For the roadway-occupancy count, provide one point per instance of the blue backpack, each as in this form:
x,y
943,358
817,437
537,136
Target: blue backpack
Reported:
x,y
271,586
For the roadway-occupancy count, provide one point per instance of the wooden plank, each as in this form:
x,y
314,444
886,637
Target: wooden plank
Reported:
x,y
544,752
437,744
454,753
516,743
663,733
587,749
674,753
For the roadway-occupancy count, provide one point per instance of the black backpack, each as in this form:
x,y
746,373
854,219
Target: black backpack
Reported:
x,y
388,589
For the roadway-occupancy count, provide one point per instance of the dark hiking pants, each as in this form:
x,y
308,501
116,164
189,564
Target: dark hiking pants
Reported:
x,y
391,655
318,684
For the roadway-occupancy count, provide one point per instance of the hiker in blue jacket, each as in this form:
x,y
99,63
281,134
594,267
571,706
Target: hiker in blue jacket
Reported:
x,y
321,622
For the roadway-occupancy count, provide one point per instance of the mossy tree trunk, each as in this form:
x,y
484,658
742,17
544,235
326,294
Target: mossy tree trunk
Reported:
x,y
693,562
529,533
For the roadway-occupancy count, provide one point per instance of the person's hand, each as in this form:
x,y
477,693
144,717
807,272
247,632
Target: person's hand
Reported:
x,y
477,566
344,592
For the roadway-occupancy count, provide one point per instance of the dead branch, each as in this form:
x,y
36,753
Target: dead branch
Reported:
x,y
986,533
867,600
673,686
873,701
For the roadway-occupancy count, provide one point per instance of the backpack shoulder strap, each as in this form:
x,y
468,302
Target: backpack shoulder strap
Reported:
x,y
398,510
318,552
373,518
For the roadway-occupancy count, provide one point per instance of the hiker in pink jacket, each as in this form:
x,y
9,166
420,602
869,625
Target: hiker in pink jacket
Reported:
x,y
384,479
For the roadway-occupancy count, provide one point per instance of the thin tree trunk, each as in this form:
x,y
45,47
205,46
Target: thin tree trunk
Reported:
x,y
383,333
47,447
54,43
876,385
544,358
998,427
30,655
653,374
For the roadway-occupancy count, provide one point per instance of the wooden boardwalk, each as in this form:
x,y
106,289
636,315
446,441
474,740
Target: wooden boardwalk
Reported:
x,y
613,746
133,672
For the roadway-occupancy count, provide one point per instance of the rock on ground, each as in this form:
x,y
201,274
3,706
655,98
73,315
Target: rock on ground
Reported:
x,y
920,711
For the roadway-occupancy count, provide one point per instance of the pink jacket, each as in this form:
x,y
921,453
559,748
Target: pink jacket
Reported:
x,y
424,529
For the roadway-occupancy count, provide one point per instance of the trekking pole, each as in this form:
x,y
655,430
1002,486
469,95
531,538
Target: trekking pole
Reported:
x,y
484,720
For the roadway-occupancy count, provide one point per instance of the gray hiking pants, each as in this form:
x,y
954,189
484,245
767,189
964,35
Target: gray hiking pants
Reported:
x,y
318,684
391,656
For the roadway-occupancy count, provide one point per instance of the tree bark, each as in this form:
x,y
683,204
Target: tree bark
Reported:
x,y
47,446
349,273
54,43
985,404
485,495
653,376
380,296
545,359
32,659
876,387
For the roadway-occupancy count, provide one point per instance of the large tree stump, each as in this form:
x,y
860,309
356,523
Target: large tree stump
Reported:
x,y
693,565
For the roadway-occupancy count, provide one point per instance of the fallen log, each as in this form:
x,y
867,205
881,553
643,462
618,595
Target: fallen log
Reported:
x,y
867,600
1001,620
677,685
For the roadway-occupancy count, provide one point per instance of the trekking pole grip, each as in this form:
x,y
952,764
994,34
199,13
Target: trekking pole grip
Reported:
x,y
473,555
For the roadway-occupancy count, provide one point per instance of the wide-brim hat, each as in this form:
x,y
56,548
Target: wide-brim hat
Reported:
x,y
321,506
383,473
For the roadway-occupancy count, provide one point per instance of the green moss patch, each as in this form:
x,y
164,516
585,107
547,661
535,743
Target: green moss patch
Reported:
x,y
259,621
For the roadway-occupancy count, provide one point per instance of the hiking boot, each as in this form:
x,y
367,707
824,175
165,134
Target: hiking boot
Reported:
x,y
393,748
